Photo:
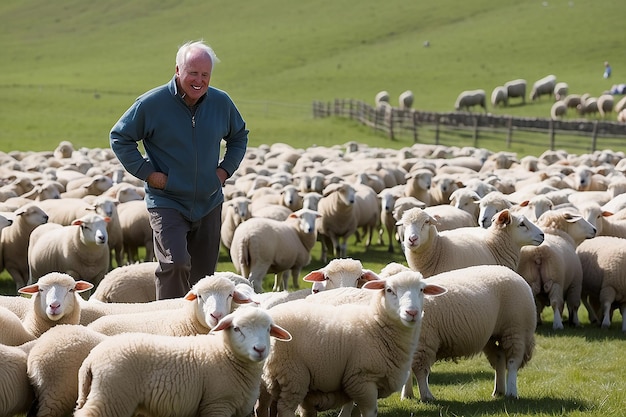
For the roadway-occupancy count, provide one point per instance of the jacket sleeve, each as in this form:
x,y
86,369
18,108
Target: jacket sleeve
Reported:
x,y
236,142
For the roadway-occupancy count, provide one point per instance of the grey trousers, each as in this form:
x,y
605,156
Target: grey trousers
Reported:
x,y
186,251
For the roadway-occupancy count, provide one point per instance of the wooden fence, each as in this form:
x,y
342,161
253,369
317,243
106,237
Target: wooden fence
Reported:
x,y
583,134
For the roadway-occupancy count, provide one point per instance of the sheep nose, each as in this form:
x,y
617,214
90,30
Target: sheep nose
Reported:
x,y
412,313
260,349
216,316
412,239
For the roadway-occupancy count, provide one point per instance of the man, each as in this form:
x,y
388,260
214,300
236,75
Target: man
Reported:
x,y
181,125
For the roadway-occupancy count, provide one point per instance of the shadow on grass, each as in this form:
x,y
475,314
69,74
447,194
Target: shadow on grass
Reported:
x,y
589,332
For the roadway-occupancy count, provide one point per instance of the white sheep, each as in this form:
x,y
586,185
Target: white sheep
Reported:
x,y
222,371
605,104
320,368
449,217
13,331
621,116
560,90
572,101
79,249
558,110
136,230
210,299
133,283
234,212
552,269
499,96
604,284
543,86
405,100
381,99
367,212
341,272
466,199
605,222
261,246
87,185
516,88
388,198
491,204
471,98
534,207
588,106
15,240
55,300
431,252
16,393
337,221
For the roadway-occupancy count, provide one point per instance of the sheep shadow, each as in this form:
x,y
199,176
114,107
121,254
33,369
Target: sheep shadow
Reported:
x,y
590,332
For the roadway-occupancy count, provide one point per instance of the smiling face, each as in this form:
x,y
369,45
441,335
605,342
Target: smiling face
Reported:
x,y
194,75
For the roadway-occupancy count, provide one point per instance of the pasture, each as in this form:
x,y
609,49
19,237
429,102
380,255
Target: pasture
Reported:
x,y
70,68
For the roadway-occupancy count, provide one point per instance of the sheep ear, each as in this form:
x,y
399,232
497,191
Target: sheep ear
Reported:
x,y
279,333
504,218
191,296
77,222
82,286
434,290
524,203
107,219
223,324
315,276
377,284
241,298
606,213
369,275
29,289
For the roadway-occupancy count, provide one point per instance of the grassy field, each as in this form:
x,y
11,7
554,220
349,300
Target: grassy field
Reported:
x,y
70,68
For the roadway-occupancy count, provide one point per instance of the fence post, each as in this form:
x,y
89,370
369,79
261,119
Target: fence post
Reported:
x,y
476,131
415,126
509,133
391,124
551,133
437,121
594,137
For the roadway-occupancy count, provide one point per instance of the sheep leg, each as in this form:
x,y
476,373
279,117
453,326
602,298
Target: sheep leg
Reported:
x,y
407,388
623,311
557,304
607,296
421,374
497,359
511,378
295,278
365,397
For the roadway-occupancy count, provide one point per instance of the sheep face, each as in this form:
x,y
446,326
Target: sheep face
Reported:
x,y
32,215
339,273
306,219
249,331
93,229
417,226
213,297
523,232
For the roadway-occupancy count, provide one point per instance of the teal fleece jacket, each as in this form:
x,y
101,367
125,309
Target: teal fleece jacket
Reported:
x,y
182,143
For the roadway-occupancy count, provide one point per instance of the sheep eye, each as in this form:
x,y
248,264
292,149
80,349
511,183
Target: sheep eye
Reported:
x,y
236,329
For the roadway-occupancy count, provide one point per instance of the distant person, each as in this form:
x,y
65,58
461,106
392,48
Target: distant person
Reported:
x,y
181,125
607,69
618,89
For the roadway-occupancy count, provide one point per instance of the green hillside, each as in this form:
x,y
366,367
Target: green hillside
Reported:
x,y
71,67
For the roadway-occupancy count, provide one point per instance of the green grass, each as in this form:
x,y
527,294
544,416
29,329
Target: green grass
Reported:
x,y
70,68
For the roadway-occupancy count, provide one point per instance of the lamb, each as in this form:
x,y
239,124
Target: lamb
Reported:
x,y
222,370
560,90
552,269
262,246
558,110
15,240
499,96
516,88
210,299
136,230
128,284
337,221
471,98
602,259
543,86
55,300
79,250
431,252
235,212
322,375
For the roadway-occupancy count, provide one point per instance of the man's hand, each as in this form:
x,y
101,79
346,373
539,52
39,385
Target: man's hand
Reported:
x,y
157,180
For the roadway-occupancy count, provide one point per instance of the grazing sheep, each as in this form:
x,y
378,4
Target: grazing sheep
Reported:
x,y
602,259
468,99
128,284
337,221
499,96
431,252
15,241
320,368
588,106
560,90
605,104
516,88
55,300
222,371
381,99
16,393
79,250
405,100
210,299
543,86
552,269
572,101
558,110
621,116
261,246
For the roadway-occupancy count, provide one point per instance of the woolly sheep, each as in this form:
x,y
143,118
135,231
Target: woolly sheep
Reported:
x,y
471,98
55,300
560,90
405,100
367,212
552,269
234,212
133,283
261,246
15,240
602,259
418,183
466,199
95,185
341,272
323,375
588,106
13,331
337,222
572,101
431,252
605,222
558,110
449,217
516,88
543,86
489,205
136,230
16,393
93,310
222,370
621,116
388,198
499,96
79,250
381,98
535,207
605,104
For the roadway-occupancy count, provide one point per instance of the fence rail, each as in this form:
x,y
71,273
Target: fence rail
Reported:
x,y
588,135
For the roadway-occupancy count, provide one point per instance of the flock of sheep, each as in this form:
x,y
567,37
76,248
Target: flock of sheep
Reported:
x,y
564,101
489,241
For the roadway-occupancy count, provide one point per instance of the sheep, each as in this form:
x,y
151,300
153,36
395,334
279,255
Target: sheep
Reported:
x,y
381,99
341,272
621,116
222,370
54,300
337,221
15,240
133,283
13,331
367,212
535,207
91,310
606,104
388,198
449,217
320,368
588,106
489,205
543,86
95,185
572,101
602,260
16,393
47,190
405,100
261,246
516,88
552,269
431,252
467,200
79,250
210,299
560,90
467,99
418,183
136,230
499,96
602,220
558,110
234,212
